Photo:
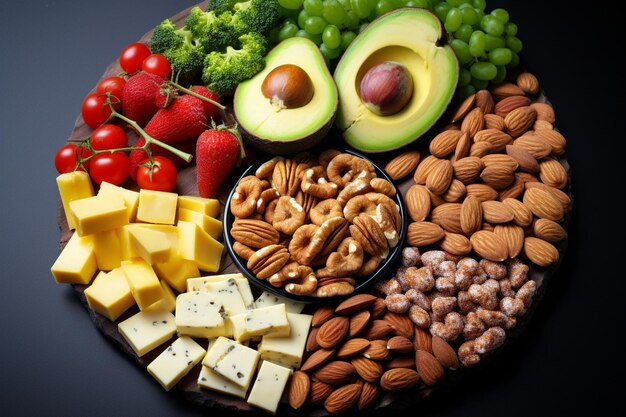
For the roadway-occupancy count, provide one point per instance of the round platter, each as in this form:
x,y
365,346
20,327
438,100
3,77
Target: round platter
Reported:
x,y
186,185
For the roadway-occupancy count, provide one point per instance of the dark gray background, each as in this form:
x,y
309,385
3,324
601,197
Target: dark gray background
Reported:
x,y
55,362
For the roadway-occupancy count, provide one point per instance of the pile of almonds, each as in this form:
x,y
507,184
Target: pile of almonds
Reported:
x,y
494,181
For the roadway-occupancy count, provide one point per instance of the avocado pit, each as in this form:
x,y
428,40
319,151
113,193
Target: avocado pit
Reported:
x,y
288,87
386,88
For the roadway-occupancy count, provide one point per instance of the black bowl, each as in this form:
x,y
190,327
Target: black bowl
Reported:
x,y
361,284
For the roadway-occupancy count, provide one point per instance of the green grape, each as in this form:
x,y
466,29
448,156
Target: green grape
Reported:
x,y
290,20
479,84
384,6
493,42
346,39
500,14
491,25
289,13
479,4
501,75
477,43
454,20
514,44
331,36
464,33
466,91
455,3
422,4
362,8
465,5
317,39
314,7
500,56
302,18
287,31
464,77
291,4
328,53
352,20
470,15
334,12
345,4
314,25
461,50
483,70
510,29
514,60
273,35
441,10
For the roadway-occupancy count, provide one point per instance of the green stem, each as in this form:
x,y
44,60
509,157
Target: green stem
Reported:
x,y
194,94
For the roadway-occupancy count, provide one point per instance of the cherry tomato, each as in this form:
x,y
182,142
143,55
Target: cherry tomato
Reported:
x,y
110,167
132,56
163,174
65,158
157,64
94,110
108,137
113,85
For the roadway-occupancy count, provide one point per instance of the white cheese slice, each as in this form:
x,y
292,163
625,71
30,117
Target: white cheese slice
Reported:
x,y
267,299
287,351
269,386
260,322
232,360
214,381
176,361
199,314
147,329
199,284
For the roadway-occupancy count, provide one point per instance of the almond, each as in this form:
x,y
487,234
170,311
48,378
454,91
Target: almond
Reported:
x,y
467,170
439,177
473,122
451,126
444,353
418,202
524,159
422,340
342,399
507,105
496,138
311,342
456,192
448,216
353,347
399,379
544,111
428,367
456,244
317,359
378,308
540,252
487,226
355,304
332,332
513,236
367,369
549,230
471,215
335,373
359,321
497,175
319,392
484,100
522,216
424,233
535,145
444,143
377,351
399,344
496,212
493,121
401,362
528,83
489,245
462,147
543,204
520,120
377,329
504,90
401,323
421,173
555,139
500,159
482,192
463,108
299,386
542,125
552,173
369,395
526,177
402,165
558,194
322,315
514,190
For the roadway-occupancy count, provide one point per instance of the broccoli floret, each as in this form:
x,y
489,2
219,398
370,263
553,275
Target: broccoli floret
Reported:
x,y
259,16
213,32
221,6
164,37
224,71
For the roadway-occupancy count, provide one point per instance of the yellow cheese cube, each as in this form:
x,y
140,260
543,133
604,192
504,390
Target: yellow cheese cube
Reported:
x,y
128,249
269,386
176,361
151,245
98,214
110,294
143,282
157,207
168,302
207,206
108,249
176,271
196,245
76,264
210,225
130,197
73,186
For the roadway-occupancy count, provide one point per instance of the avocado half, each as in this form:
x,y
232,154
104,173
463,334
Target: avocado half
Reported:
x,y
408,36
277,130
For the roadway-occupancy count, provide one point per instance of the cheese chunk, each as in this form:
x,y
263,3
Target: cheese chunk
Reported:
x,y
264,321
196,245
176,361
98,214
206,206
287,351
168,302
130,197
143,282
228,294
199,284
267,299
151,245
147,329
76,264
269,386
214,381
110,295
128,249
199,314
176,271
212,226
157,207
232,360
108,249
73,186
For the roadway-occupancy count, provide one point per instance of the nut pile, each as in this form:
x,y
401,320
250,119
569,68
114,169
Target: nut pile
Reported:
x,y
315,224
466,302
358,349
493,182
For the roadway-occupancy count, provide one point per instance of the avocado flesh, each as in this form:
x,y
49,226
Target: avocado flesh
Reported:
x,y
408,36
264,122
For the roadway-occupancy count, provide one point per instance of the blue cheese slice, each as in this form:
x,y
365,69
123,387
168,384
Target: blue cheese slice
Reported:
x,y
148,329
260,322
269,386
287,351
212,380
232,360
199,314
267,299
176,361
200,284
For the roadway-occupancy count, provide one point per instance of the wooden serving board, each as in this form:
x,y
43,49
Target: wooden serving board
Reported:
x,y
186,185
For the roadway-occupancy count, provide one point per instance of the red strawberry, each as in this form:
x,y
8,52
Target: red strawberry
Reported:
x,y
217,152
138,97
210,110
